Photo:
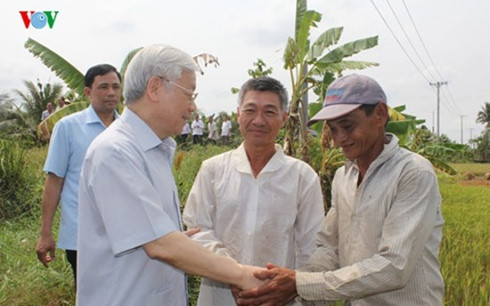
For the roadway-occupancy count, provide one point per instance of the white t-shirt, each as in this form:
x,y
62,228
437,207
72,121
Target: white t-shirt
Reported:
x,y
225,128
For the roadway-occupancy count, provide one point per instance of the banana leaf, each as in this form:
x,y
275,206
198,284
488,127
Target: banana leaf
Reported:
x,y
46,126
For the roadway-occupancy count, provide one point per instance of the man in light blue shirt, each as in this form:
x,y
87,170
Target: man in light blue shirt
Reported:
x,y
71,137
131,247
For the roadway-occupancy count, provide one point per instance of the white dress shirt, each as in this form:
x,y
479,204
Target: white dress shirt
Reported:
x,y
197,127
272,218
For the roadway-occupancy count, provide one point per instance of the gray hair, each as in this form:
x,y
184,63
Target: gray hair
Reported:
x,y
265,84
155,60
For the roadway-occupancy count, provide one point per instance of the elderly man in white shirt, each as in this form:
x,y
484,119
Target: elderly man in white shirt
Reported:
x,y
379,244
255,204
131,248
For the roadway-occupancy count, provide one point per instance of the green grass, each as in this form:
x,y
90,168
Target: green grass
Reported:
x,y
465,251
23,279
479,169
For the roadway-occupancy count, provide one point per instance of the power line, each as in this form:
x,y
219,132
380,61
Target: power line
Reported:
x,y
398,41
451,98
450,106
421,40
410,41
450,103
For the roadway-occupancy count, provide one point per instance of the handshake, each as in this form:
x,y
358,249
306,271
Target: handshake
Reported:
x,y
272,286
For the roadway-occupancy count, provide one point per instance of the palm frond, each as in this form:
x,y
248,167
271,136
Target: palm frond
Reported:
x,y
62,68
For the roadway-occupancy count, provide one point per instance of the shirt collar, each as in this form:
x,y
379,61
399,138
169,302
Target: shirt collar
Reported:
x,y
242,163
145,136
92,116
389,150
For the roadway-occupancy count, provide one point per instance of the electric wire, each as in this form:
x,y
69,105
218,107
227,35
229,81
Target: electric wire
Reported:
x,y
451,99
451,105
398,41
410,41
421,40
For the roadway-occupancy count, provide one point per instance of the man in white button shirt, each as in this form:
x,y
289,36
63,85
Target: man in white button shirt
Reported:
x,y
197,127
131,248
255,204
379,244
225,130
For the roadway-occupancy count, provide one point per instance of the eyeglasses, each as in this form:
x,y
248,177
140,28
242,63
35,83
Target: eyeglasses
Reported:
x,y
192,95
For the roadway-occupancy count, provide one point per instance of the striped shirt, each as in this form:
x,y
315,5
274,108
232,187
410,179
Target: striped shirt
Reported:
x,y
379,242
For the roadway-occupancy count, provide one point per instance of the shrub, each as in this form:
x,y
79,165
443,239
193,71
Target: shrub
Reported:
x,y
19,180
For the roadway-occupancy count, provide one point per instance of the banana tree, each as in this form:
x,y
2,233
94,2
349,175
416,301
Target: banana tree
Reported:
x,y
75,80
312,67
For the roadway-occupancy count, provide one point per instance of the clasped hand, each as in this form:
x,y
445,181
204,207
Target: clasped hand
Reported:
x,y
278,288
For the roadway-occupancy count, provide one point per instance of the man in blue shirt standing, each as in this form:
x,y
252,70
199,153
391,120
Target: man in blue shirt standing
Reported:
x,y
71,137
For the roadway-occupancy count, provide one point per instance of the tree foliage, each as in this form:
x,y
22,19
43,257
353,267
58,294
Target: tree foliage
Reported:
x,y
72,77
260,70
483,115
75,80
38,96
312,66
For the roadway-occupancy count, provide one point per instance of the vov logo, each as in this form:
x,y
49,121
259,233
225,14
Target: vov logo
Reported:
x,y
39,19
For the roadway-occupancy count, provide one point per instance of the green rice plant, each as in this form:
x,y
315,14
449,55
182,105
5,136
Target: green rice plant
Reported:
x,y
464,255
465,252
478,169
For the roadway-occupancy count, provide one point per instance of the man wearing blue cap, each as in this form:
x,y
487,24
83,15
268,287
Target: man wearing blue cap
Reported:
x,y
380,240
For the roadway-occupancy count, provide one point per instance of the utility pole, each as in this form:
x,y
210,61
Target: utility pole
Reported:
x,y
461,117
471,137
432,122
438,86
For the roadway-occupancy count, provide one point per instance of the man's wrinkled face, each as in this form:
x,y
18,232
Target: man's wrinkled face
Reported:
x,y
178,104
260,117
357,133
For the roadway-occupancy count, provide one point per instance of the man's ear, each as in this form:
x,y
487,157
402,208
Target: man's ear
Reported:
x,y
381,112
87,91
153,88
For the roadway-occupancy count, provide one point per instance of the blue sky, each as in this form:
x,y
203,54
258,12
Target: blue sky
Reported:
x,y
238,32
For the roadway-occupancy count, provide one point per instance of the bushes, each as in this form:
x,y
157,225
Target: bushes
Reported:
x,y
20,179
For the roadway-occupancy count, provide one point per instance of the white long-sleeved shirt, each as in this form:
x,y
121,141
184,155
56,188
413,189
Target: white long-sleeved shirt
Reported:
x,y
197,127
272,218
379,243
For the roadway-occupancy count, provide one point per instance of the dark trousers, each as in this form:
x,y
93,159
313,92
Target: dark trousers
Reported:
x,y
197,139
71,256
